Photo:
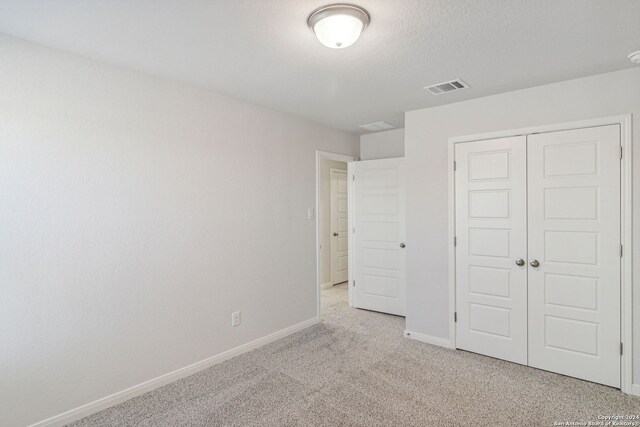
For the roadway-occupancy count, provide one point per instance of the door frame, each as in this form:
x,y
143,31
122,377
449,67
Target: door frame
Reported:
x,y
340,158
626,212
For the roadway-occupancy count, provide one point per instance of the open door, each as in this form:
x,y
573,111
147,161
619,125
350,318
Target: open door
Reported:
x,y
378,242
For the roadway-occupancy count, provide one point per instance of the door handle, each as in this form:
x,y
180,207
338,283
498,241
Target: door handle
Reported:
x,y
520,262
402,245
335,234
534,263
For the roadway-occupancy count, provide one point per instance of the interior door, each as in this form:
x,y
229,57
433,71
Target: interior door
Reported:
x,y
339,227
378,235
491,248
574,253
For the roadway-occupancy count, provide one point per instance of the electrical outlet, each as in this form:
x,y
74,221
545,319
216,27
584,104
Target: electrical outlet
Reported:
x,y
235,318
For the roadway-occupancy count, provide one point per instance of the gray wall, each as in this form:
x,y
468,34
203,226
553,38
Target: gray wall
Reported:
x,y
382,145
426,138
136,215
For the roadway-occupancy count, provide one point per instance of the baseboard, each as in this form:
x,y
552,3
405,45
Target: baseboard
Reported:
x,y
635,389
440,342
121,396
325,285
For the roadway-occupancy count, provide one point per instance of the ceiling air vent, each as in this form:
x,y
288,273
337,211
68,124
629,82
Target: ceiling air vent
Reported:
x,y
445,87
377,126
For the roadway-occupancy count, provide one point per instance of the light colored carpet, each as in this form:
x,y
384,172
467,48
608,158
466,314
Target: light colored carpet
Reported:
x,y
356,369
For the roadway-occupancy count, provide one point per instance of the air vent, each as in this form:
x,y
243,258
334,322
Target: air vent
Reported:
x,y
446,87
377,126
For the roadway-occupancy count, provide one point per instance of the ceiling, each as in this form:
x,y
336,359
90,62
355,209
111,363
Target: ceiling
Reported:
x,y
262,51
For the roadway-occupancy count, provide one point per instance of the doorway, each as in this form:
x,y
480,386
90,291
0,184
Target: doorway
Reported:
x,y
338,224
332,237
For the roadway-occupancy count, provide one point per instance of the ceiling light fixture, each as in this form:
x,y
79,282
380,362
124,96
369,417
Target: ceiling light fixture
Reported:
x,y
338,25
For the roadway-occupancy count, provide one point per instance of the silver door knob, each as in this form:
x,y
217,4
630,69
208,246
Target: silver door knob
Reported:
x,y
520,262
402,245
534,263
335,234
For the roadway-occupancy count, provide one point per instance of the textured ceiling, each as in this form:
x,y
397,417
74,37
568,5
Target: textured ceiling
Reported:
x,y
261,51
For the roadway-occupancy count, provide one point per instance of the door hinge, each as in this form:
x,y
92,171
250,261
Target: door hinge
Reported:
x,y
353,230
455,241
455,316
621,348
454,166
354,283
620,250
621,152
354,177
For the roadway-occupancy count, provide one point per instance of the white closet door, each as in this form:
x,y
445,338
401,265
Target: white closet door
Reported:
x,y
378,241
491,233
574,235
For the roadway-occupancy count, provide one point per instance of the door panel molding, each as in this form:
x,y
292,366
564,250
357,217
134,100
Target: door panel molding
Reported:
x,y
625,122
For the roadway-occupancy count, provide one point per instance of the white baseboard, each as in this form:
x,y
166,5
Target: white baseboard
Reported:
x,y
325,285
635,389
440,342
121,396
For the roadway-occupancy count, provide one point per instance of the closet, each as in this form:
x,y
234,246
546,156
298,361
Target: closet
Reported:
x,y
537,255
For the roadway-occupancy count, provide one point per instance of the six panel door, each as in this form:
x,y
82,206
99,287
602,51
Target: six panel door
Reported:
x,y
378,241
574,244
491,233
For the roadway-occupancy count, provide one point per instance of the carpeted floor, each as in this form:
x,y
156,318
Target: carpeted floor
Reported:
x,y
356,369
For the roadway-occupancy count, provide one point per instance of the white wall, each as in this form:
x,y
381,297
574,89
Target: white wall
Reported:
x,y
325,216
382,145
427,132
136,214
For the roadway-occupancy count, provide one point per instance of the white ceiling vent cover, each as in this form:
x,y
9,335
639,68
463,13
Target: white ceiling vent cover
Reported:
x,y
377,126
452,86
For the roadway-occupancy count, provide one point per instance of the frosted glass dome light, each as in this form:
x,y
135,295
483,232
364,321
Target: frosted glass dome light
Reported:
x,y
339,25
